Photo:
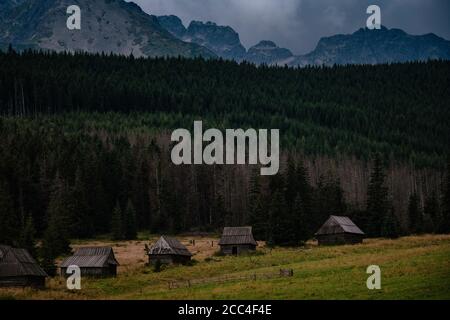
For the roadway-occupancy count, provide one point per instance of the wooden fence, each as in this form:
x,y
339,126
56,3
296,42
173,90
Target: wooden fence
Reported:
x,y
223,279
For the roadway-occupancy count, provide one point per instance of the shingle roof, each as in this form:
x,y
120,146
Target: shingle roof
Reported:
x,y
168,245
237,235
91,257
339,224
18,262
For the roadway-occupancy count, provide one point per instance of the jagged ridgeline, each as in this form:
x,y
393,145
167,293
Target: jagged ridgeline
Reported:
x,y
400,110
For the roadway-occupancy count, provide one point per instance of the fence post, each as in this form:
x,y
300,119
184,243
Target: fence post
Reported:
x,y
286,272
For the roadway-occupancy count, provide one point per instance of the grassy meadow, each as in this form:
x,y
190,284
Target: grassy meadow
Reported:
x,y
416,267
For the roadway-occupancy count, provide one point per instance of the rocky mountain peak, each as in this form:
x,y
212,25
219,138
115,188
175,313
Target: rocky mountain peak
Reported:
x,y
222,40
173,24
106,26
269,53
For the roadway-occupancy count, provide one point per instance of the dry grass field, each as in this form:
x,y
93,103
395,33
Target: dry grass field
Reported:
x,y
415,267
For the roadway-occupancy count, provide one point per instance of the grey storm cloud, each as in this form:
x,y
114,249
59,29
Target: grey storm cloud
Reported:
x,y
299,24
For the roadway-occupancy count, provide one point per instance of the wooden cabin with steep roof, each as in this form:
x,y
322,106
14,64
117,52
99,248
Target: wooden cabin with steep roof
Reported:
x,y
19,269
97,262
168,250
237,240
339,230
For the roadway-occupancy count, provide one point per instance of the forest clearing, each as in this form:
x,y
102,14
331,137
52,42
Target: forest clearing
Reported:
x,y
415,267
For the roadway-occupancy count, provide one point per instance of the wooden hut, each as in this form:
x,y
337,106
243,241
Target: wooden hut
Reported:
x,y
339,230
237,240
19,269
168,250
95,262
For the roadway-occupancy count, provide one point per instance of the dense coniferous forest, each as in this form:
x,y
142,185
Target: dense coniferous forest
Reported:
x,y
85,148
399,110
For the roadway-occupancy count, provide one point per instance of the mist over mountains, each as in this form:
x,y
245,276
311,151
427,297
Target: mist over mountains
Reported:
x,y
123,28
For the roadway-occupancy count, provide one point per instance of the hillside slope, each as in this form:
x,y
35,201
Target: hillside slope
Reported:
x,y
412,268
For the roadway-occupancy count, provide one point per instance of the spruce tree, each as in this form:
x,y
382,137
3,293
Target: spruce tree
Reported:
x,y
257,215
54,243
301,222
329,199
390,227
117,232
59,213
305,194
415,214
82,220
27,236
260,221
377,199
254,191
291,188
431,213
445,219
8,220
130,223
282,230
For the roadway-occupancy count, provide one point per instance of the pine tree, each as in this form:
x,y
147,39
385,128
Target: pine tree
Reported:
x,y
377,199
305,194
301,222
47,261
391,226
254,192
260,221
431,213
8,220
445,219
27,236
130,222
82,221
281,230
329,199
291,188
116,223
60,211
415,214
257,216
55,241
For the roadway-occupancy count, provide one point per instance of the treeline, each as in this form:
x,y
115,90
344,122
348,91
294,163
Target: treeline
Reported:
x,y
59,182
399,110
291,210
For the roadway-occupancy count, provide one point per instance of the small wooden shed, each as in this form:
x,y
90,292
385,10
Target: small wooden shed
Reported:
x,y
97,262
339,230
237,240
19,269
168,250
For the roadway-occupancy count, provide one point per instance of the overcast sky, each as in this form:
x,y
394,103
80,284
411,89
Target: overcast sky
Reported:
x,y
299,24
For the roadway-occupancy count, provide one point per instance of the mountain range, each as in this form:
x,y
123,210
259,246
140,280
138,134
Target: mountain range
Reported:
x,y
106,25
122,27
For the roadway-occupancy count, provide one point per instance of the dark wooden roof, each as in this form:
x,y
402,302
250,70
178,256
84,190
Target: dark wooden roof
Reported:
x,y
168,245
16,262
91,257
339,224
237,235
